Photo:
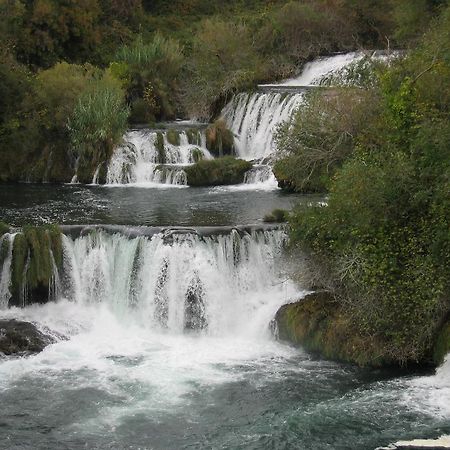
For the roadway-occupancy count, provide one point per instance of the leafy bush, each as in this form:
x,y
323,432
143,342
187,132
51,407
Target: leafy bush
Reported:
x,y
313,144
224,60
383,243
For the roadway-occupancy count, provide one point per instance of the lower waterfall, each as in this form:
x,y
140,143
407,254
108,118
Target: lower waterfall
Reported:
x,y
180,281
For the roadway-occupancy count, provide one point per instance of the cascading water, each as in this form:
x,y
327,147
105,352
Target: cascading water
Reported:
x,y
222,284
6,249
148,157
254,118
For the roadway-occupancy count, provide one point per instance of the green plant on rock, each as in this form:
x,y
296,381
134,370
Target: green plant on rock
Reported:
x,y
173,137
4,228
216,172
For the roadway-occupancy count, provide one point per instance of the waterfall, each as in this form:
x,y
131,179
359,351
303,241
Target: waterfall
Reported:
x,y
254,118
180,281
148,156
7,240
260,174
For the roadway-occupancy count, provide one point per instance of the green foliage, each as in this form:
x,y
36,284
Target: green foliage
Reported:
x,y
313,144
442,345
224,60
383,241
97,124
152,70
216,172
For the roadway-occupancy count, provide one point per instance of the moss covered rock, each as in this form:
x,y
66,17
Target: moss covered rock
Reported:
x,y
17,337
194,136
173,137
219,139
442,344
217,172
318,324
37,252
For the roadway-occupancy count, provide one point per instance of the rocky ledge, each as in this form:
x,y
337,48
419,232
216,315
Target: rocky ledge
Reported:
x,y
17,337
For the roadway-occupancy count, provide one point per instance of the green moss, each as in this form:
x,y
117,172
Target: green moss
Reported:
x,y
173,137
219,139
442,344
4,250
318,324
216,172
159,144
32,264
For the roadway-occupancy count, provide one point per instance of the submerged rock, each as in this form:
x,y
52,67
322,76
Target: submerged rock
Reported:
x,y
21,337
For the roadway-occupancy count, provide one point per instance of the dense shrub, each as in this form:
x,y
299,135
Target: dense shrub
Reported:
x,y
151,70
313,144
383,242
224,60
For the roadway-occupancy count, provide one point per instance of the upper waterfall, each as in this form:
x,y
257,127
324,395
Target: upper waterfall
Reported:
x,y
254,118
151,157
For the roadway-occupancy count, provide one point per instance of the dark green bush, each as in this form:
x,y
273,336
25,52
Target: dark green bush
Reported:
x,y
216,172
383,241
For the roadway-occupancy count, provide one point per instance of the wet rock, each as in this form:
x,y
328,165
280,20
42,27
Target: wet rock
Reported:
x,y
17,337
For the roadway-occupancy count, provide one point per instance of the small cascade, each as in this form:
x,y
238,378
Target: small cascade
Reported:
x,y
254,118
180,281
260,174
153,156
96,174
6,249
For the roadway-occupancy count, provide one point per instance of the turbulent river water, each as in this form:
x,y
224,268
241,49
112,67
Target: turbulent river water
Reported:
x,y
125,373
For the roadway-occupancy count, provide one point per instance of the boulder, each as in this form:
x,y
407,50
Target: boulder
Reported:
x,y
17,337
